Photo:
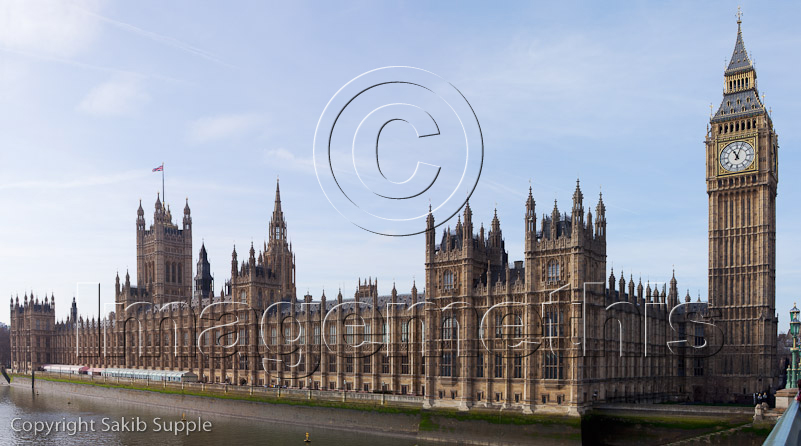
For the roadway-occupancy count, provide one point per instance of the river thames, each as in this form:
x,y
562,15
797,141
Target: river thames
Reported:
x,y
75,420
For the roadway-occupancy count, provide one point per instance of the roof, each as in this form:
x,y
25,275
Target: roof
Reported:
x,y
740,104
739,57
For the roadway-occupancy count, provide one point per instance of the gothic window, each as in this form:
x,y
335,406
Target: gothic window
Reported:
x,y
302,335
385,363
386,334
698,367
448,280
552,366
332,335
448,328
445,365
349,334
480,365
260,303
273,336
367,364
498,366
332,363
518,366
179,274
498,325
405,332
349,364
242,340
405,365
316,335
516,323
553,271
552,323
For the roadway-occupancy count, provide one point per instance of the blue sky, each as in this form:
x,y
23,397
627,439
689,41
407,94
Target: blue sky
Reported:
x,y
94,94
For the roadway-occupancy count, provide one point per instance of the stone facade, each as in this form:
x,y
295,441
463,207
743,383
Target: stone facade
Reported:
x,y
551,333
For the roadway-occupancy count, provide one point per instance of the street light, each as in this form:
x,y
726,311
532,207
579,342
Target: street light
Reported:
x,y
793,368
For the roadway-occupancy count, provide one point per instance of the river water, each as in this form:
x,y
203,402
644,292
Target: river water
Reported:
x,y
108,422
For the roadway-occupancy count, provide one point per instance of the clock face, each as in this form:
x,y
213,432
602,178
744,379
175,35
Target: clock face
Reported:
x,y
737,156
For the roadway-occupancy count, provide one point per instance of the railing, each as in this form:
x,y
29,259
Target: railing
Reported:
x,y
251,391
788,429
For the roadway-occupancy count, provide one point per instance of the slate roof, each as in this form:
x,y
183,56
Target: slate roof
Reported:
x,y
739,57
749,104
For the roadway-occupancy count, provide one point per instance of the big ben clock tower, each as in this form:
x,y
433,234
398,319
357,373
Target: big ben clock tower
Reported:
x,y
741,179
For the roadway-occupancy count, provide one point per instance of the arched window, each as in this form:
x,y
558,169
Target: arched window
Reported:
x,y
405,332
553,271
179,273
243,296
448,328
332,335
448,279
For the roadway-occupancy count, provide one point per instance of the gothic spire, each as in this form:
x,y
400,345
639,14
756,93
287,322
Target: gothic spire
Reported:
x,y
739,57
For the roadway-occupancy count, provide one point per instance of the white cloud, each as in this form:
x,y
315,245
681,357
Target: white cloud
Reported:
x,y
166,40
122,95
47,26
213,128
287,160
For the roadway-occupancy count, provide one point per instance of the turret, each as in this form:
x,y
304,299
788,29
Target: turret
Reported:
x,y
252,258
187,216
430,236
140,219
495,237
467,228
612,283
554,220
673,296
234,270
600,214
578,209
639,290
632,296
530,221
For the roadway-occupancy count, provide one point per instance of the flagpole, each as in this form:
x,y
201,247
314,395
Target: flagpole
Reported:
x,y
163,196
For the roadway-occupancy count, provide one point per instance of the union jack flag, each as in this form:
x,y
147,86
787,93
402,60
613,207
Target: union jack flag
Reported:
x,y
158,169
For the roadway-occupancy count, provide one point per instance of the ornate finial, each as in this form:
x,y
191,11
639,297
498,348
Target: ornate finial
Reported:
x,y
710,109
739,15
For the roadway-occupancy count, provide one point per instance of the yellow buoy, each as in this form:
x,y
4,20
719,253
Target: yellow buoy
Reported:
x,y
307,438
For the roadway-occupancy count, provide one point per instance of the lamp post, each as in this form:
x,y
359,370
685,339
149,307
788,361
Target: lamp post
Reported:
x,y
793,369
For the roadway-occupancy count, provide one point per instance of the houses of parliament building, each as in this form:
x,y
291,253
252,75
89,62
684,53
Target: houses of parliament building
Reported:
x,y
550,333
